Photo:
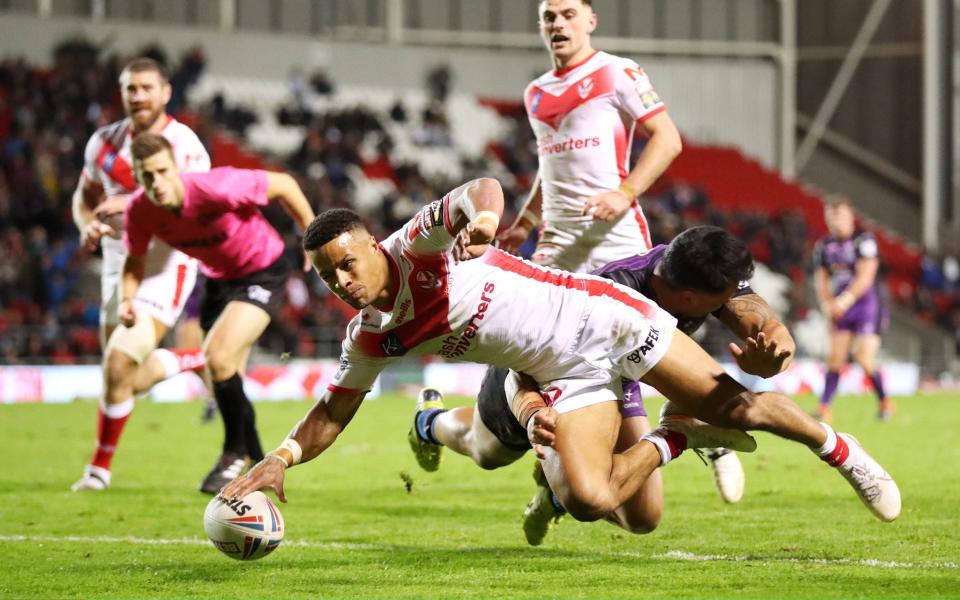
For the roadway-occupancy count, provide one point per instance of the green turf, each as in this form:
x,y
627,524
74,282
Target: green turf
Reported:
x,y
353,531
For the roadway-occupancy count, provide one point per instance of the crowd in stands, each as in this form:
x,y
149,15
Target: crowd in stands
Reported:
x,y
49,287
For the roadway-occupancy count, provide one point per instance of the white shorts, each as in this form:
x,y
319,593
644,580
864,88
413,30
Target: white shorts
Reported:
x,y
584,245
617,342
168,279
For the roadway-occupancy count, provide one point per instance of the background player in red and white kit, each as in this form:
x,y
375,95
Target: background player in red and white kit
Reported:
x,y
215,217
132,363
576,335
583,113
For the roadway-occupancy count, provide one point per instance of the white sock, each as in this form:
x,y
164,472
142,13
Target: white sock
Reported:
x,y
118,411
661,444
831,443
99,472
169,361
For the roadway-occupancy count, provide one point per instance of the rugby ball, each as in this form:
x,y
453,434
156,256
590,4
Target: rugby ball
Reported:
x,y
247,528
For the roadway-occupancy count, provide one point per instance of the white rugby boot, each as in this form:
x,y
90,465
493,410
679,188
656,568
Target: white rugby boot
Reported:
x,y
727,474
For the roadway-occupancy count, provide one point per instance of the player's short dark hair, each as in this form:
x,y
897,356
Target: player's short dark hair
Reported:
x,y
835,200
143,65
328,225
706,259
147,144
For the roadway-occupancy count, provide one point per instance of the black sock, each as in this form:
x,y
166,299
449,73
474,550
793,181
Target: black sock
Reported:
x,y
233,404
250,433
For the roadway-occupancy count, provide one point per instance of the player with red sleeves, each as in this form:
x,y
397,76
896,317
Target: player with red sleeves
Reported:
x,y
215,217
132,363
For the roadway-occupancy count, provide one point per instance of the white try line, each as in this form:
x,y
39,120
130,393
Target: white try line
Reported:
x,y
863,562
671,555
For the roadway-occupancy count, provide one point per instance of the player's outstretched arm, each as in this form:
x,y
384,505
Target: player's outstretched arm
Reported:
x,y
311,436
768,346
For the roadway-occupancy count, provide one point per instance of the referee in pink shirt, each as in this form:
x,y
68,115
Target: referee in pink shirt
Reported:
x,y
215,217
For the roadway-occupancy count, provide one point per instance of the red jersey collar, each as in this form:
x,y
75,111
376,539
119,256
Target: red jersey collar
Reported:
x,y
565,70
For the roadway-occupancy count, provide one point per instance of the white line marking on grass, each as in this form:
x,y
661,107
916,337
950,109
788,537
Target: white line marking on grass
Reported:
x,y
138,541
671,555
866,562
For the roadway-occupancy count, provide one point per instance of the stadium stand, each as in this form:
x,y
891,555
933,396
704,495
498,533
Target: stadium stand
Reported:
x,y
380,152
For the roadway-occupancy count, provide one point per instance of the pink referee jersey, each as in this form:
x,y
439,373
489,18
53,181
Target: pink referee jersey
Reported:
x,y
577,333
220,223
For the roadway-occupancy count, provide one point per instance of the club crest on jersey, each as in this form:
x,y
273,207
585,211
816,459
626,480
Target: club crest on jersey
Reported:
x,y
535,102
392,346
427,280
585,87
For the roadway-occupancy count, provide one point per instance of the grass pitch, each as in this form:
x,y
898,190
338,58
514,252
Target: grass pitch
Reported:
x,y
353,530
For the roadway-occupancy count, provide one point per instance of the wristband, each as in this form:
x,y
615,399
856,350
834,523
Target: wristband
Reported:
x,y
529,217
628,189
487,215
291,447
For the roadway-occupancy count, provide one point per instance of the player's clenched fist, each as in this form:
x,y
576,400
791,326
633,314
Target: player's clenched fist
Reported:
x,y
608,206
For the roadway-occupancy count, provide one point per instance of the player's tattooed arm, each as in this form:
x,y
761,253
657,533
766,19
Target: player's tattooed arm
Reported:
x,y
768,346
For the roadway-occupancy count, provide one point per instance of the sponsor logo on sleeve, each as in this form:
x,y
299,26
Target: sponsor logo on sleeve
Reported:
x,y
649,99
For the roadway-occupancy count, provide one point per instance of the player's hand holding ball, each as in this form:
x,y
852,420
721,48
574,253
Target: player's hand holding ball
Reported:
x,y
268,473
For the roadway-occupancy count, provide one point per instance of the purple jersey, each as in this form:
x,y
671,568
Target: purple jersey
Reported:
x,y
636,272
839,257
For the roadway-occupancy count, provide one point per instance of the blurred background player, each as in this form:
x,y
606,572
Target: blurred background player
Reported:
x,y
131,361
704,271
846,263
216,218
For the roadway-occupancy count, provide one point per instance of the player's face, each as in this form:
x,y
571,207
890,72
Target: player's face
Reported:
x,y
145,95
696,304
565,26
160,179
353,267
839,220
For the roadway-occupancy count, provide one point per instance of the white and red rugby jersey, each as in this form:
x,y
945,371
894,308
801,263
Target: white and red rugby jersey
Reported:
x,y
498,310
584,117
108,163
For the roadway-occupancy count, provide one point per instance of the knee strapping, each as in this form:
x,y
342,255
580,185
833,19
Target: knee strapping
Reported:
x,y
137,342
